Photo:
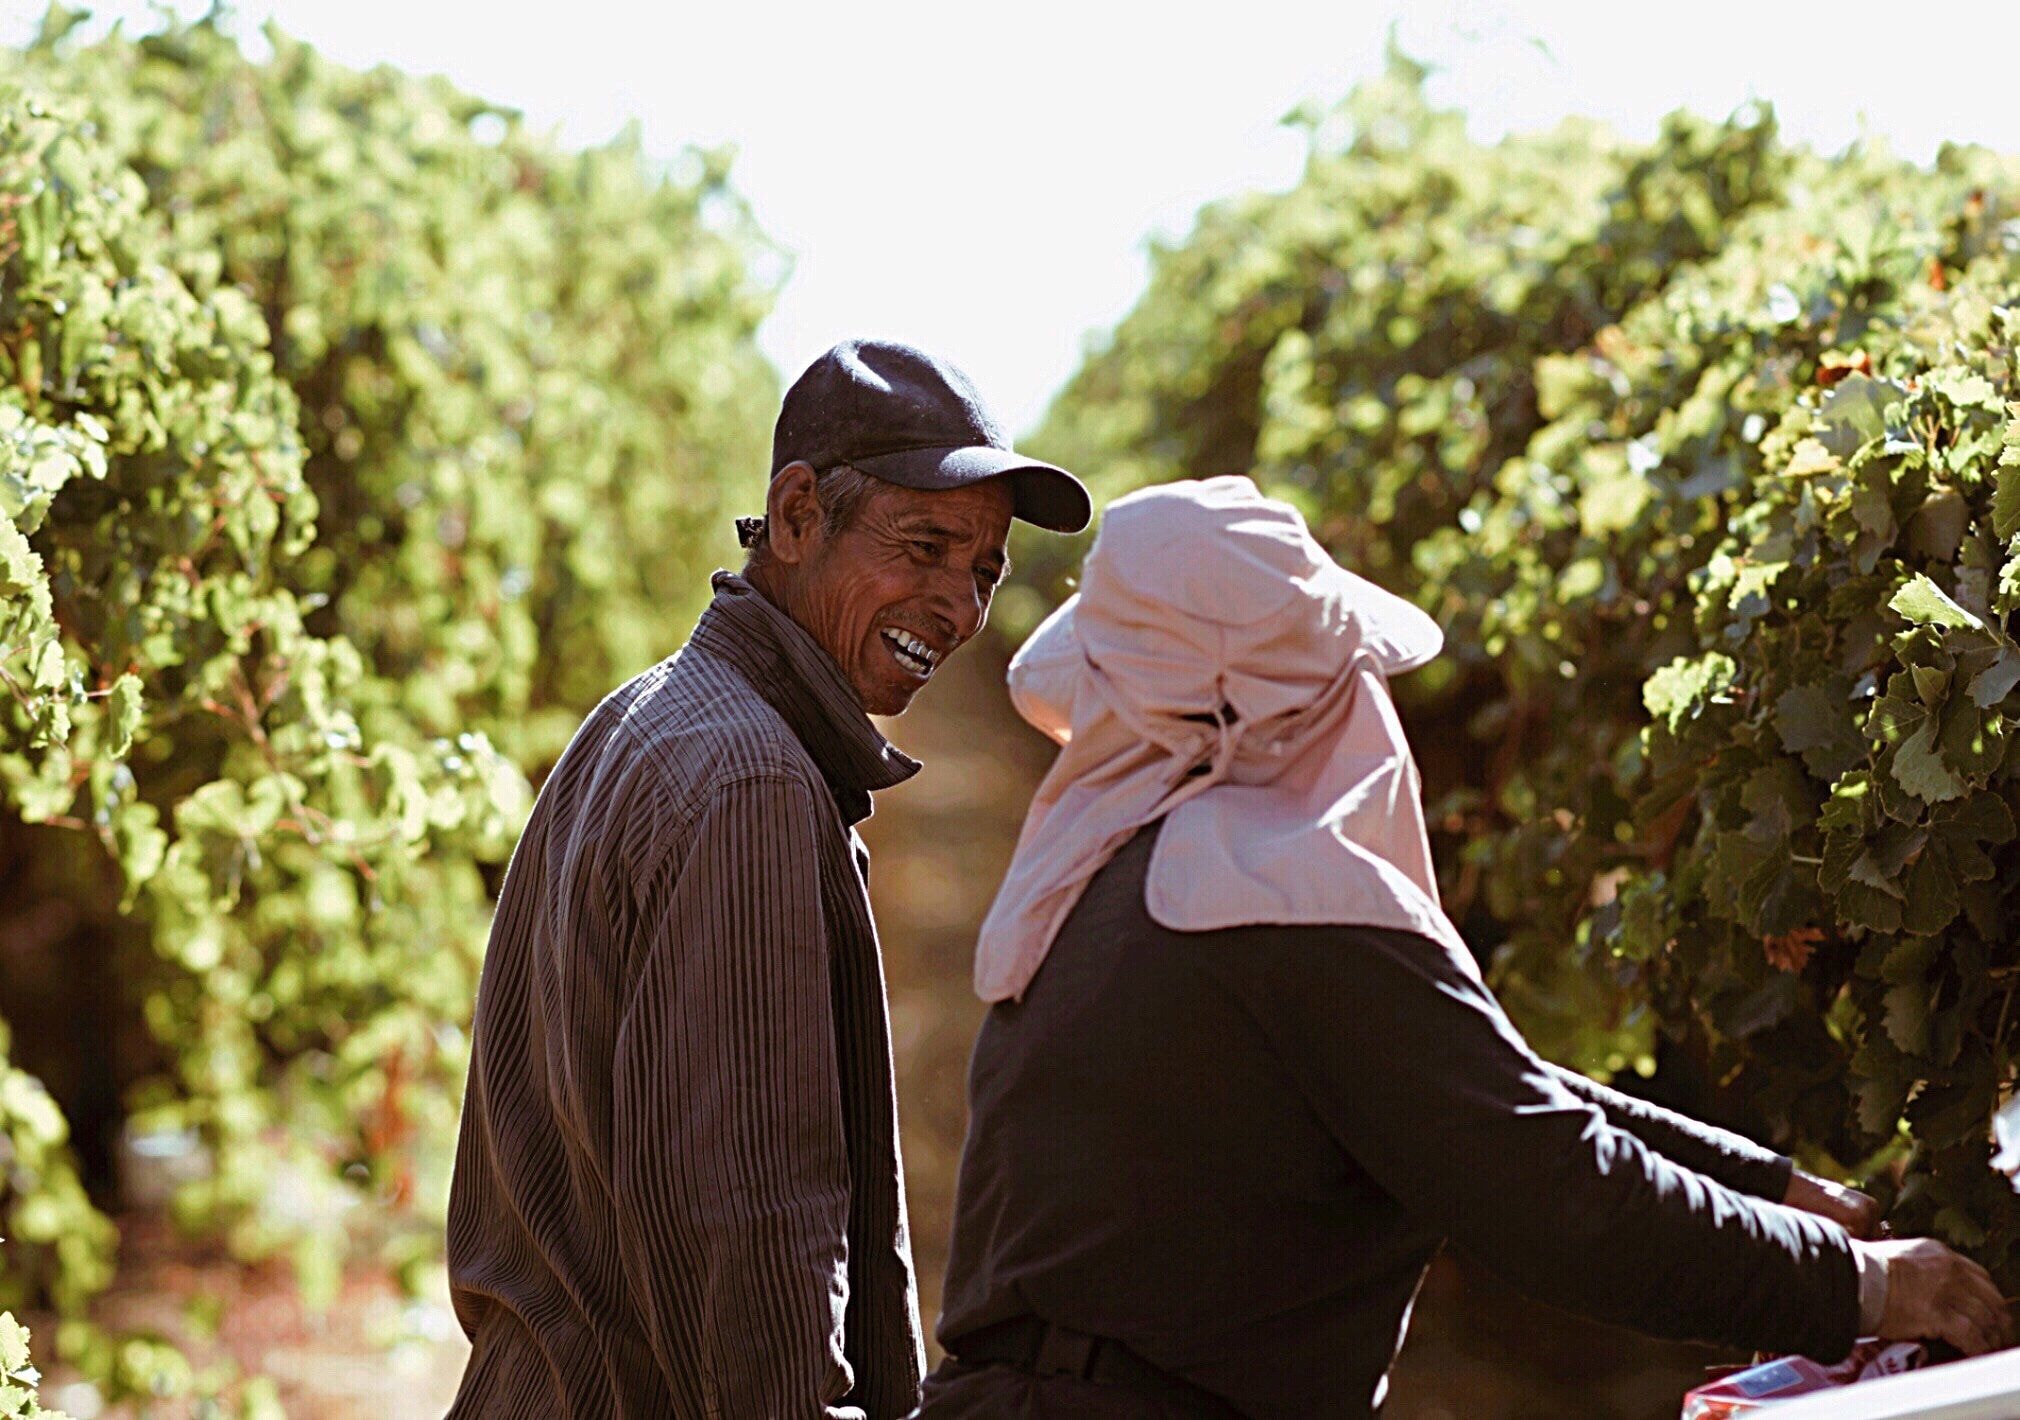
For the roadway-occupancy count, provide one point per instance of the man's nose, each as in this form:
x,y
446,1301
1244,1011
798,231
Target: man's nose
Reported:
x,y
959,596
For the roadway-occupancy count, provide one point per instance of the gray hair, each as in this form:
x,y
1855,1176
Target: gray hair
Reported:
x,y
841,492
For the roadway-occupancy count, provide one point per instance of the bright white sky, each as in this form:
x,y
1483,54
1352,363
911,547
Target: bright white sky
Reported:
x,y
983,180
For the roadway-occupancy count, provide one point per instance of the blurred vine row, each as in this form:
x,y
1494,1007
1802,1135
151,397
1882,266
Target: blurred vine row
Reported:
x,y
1706,452
353,441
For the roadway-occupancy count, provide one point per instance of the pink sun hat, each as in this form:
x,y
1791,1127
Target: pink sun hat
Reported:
x,y
1218,669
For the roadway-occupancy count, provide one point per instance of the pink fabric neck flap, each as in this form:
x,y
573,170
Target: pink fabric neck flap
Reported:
x,y
1219,670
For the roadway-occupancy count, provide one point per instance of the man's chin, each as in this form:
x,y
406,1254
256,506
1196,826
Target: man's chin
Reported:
x,y
891,700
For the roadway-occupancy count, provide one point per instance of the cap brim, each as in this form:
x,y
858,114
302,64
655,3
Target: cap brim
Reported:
x,y
1044,495
1401,634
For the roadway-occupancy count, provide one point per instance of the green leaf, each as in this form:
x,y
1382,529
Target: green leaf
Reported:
x,y
1612,503
1965,829
1676,691
1765,1005
1870,871
1972,741
35,1114
13,1344
2006,498
1880,1104
1809,459
1959,1228
1907,963
1985,816
1847,809
1931,685
1964,388
1898,713
1581,579
1736,858
1777,898
20,567
1853,413
1647,918
1916,763
1920,769
1907,1017
48,668
124,706
1874,512
1937,527
1863,907
1843,853
1923,602
1779,797
140,845
1991,685
1929,900
1894,847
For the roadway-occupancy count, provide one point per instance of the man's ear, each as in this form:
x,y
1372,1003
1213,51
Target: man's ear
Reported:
x,y
793,516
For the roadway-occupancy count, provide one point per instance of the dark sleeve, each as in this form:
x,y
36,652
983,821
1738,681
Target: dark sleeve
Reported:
x,y
1426,1083
1719,1154
730,1172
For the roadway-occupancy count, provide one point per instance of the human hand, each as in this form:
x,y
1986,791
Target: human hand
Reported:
x,y
1936,1294
1857,1213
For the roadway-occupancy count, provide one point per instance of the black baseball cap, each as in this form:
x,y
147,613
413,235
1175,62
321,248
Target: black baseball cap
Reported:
x,y
899,415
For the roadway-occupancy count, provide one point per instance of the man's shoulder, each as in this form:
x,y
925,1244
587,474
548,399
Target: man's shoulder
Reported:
x,y
697,726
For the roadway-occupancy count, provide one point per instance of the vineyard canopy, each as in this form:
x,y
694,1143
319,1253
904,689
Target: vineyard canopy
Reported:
x,y
354,441
1705,453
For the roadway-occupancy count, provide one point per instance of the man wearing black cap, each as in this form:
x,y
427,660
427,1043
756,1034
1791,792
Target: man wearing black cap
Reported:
x,y
677,1186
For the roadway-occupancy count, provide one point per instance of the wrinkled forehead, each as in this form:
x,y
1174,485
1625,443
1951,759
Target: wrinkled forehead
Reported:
x,y
978,513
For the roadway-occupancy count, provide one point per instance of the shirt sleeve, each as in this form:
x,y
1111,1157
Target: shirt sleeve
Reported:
x,y
1719,1154
730,1170
1426,1083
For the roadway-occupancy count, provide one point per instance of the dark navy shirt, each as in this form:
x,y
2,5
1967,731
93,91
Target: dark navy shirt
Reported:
x,y
1236,1151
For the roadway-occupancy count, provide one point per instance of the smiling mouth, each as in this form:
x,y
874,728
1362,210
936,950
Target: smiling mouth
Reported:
x,y
912,654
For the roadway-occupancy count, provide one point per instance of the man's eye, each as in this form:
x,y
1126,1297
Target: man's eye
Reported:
x,y
926,549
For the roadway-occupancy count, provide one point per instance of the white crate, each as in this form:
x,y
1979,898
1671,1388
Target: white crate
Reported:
x,y
1983,1388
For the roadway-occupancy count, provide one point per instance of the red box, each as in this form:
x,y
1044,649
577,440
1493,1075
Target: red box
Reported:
x,y
1785,1378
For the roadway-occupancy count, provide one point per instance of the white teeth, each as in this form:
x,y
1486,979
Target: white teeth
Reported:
x,y
912,653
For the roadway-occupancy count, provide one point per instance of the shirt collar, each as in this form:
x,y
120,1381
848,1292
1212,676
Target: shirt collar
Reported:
x,y
788,668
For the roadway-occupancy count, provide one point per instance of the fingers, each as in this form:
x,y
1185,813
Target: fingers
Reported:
x,y
1963,1332
1975,1319
1987,1305
1996,1322
1858,1213
1970,1317
1936,1292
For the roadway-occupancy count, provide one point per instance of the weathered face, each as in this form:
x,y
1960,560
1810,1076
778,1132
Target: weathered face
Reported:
x,y
894,594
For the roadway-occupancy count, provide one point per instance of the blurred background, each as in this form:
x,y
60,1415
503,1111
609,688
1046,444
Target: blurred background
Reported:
x,y
378,383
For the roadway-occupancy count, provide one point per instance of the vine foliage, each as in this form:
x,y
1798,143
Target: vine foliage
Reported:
x,y
353,441
1706,452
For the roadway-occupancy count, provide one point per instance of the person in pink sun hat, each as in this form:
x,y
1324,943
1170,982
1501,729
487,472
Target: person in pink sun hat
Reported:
x,y
1241,1077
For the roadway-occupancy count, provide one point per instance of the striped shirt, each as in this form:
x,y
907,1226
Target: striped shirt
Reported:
x,y
677,1187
